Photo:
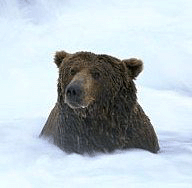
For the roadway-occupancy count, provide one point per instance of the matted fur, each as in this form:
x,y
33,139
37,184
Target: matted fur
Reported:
x,y
108,117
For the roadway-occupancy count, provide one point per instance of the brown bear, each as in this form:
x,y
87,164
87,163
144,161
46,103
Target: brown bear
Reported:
x,y
97,108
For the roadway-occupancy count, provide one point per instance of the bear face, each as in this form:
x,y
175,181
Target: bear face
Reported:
x,y
86,79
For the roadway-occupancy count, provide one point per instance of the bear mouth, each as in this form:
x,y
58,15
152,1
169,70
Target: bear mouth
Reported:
x,y
75,105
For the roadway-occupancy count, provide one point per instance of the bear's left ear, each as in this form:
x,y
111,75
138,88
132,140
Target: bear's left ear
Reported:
x,y
134,66
59,56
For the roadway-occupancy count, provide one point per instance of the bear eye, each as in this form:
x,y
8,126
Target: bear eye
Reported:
x,y
73,71
96,75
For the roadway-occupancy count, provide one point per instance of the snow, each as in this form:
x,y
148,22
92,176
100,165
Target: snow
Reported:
x,y
157,32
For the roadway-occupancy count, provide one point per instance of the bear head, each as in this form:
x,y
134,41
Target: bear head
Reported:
x,y
87,80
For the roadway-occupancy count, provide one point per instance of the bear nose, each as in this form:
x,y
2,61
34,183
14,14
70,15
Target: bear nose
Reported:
x,y
74,93
71,92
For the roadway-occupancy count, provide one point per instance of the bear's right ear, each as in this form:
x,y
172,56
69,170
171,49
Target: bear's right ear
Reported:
x,y
59,56
134,66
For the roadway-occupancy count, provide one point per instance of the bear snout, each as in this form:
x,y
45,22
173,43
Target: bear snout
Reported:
x,y
74,95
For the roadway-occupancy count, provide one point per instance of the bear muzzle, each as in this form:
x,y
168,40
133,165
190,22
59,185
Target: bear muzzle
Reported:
x,y
74,95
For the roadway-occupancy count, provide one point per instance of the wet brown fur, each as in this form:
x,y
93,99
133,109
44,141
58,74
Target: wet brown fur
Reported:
x,y
111,118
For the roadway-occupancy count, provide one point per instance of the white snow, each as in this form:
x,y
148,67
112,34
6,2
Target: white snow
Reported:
x,y
158,32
